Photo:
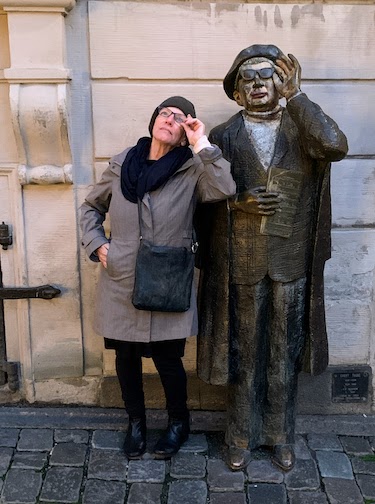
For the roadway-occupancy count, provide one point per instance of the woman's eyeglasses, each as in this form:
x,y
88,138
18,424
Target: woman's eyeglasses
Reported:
x,y
250,74
166,112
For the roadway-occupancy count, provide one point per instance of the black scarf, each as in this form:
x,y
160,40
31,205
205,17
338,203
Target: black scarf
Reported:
x,y
139,176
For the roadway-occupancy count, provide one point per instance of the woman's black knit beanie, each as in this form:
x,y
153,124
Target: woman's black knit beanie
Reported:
x,y
174,101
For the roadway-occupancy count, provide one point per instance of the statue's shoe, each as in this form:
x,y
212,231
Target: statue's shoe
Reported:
x,y
238,458
283,456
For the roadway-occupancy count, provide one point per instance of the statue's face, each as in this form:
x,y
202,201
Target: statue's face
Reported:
x,y
255,89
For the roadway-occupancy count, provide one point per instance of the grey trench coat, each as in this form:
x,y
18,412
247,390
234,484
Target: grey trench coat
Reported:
x,y
167,219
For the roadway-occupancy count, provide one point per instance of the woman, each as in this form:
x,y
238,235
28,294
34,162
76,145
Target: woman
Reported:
x,y
155,186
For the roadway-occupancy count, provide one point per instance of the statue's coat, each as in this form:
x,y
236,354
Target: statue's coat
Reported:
x,y
308,140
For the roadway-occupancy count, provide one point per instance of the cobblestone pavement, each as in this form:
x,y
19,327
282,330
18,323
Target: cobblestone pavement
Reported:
x,y
69,455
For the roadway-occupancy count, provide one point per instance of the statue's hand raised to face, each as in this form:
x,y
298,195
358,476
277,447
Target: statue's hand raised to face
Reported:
x,y
287,77
257,201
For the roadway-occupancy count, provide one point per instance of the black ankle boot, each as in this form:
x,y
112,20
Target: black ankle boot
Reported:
x,y
176,434
135,439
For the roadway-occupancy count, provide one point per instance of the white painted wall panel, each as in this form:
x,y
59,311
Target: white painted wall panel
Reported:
x,y
352,106
200,40
349,332
350,272
122,110
349,283
51,240
37,40
353,192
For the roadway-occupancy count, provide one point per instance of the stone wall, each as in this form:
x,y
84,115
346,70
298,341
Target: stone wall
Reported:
x,y
85,88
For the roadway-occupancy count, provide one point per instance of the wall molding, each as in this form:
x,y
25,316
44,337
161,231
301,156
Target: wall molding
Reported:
x,y
38,89
40,123
45,175
38,5
36,75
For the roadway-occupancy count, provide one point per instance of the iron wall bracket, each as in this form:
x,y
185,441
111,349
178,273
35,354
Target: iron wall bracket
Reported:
x,y
9,371
42,292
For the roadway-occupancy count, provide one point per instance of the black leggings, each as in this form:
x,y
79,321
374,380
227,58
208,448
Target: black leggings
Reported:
x,y
172,375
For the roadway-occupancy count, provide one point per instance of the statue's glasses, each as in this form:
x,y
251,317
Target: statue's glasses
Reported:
x,y
166,112
250,74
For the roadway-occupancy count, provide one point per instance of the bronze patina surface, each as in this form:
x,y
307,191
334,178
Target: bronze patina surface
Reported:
x,y
263,253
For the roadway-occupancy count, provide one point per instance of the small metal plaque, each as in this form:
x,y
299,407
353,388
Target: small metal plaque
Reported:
x,y
350,386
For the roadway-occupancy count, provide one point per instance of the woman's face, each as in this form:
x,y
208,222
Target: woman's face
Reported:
x,y
166,130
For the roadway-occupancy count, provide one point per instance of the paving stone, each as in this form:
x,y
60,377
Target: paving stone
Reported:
x,y
108,440
107,465
301,449
266,493
307,498
340,491
6,455
334,465
68,454
304,476
355,445
324,442
9,437
263,471
29,460
146,471
21,486
187,492
196,443
35,440
228,498
144,493
62,485
221,479
362,466
188,465
366,483
71,436
104,492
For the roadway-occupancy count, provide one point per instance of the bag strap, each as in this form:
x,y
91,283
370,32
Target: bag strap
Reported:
x,y
140,219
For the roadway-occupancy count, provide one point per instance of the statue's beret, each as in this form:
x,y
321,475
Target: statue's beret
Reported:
x,y
257,50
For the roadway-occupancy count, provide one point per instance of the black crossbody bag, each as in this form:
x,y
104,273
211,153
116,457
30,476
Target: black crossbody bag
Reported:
x,y
163,276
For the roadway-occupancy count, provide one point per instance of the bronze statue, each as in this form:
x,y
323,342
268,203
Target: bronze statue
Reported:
x,y
263,253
